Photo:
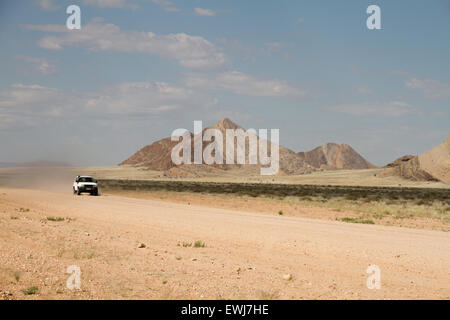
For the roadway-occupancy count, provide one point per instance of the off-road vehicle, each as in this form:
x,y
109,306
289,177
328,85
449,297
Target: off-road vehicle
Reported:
x,y
85,184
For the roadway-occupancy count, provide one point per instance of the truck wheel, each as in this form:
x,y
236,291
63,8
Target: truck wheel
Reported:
x,y
78,192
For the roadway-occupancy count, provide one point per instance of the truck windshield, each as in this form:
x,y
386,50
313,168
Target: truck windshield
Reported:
x,y
85,179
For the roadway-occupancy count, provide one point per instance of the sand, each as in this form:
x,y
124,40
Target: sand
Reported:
x,y
246,255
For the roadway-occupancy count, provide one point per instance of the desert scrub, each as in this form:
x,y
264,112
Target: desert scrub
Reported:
x,y
280,213
83,255
378,216
268,295
280,190
371,202
351,197
423,202
30,291
56,219
199,244
372,199
379,208
357,220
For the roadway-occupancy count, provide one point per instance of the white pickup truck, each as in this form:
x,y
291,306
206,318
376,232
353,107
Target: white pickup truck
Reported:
x,y
85,184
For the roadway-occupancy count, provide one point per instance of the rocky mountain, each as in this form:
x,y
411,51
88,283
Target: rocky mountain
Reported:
x,y
335,156
433,165
398,162
157,156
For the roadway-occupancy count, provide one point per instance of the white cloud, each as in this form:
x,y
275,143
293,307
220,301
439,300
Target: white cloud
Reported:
x,y
189,51
110,3
46,27
171,9
273,47
388,109
41,65
205,12
430,88
47,5
364,90
243,84
144,97
166,5
28,104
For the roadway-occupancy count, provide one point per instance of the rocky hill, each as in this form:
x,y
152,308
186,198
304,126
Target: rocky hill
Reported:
x,y
436,162
335,156
399,161
157,156
433,165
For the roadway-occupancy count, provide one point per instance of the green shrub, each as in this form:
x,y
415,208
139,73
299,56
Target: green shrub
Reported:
x,y
57,219
199,244
30,291
356,220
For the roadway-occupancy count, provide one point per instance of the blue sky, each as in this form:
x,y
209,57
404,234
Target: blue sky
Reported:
x,y
138,69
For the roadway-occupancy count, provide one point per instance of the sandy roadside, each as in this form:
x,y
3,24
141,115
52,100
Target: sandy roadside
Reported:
x,y
245,257
294,208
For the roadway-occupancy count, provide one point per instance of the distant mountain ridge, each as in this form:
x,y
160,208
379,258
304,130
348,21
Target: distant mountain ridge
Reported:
x,y
335,156
157,156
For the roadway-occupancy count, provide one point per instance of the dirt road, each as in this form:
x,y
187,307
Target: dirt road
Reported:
x,y
246,255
